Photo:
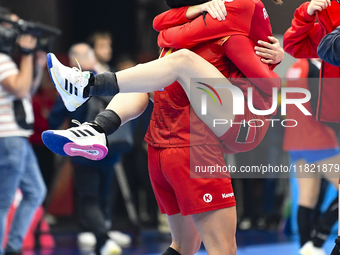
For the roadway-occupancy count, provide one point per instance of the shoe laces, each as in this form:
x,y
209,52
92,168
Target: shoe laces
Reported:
x,y
77,122
79,71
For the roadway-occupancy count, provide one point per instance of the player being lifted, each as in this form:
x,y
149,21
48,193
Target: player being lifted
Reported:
x,y
195,208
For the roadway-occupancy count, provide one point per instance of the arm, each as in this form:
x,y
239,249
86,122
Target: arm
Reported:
x,y
171,18
329,48
303,37
200,30
20,84
180,16
260,74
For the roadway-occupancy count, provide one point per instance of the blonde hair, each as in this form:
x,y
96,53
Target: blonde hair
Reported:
x,y
278,1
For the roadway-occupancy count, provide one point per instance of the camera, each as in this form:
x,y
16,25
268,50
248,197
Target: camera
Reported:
x,y
10,30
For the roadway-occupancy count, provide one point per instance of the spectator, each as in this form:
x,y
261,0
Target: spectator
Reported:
x,y
101,43
18,164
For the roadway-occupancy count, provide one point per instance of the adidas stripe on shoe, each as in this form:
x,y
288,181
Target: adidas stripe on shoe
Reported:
x,y
84,141
69,82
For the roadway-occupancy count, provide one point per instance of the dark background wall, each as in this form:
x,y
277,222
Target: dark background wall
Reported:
x,y
281,15
128,20
78,18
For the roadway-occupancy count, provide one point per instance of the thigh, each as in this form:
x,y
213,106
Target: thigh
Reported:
x,y
163,190
185,236
217,229
11,167
330,168
211,104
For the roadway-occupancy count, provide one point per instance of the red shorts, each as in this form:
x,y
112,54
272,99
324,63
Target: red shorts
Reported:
x,y
245,137
176,192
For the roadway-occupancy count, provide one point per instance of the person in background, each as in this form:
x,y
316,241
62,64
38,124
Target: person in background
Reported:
x,y
312,21
19,168
329,48
101,42
311,142
92,178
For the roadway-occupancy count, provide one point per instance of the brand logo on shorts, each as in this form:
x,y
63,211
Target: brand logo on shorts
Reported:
x,y
227,195
207,198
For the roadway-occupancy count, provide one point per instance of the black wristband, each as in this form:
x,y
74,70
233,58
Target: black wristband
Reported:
x,y
25,51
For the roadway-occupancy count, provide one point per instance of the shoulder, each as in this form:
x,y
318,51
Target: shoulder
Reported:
x,y
241,4
5,58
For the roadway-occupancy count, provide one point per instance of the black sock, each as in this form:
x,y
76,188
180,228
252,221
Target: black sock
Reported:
x,y
104,84
101,240
327,220
305,224
171,251
109,121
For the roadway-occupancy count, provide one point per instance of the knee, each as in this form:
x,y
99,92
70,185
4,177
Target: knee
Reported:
x,y
182,59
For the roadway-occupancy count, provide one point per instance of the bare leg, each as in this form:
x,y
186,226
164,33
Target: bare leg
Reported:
x,y
308,191
180,66
217,229
129,106
185,237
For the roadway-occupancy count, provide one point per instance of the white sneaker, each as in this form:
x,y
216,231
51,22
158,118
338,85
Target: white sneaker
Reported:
x,y
110,248
69,82
84,141
309,249
120,238
86,240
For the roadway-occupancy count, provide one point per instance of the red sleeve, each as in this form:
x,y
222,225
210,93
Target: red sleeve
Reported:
x,y
171,18
240,50
302,39
238,21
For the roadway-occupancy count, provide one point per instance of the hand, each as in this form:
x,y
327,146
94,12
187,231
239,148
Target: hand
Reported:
x,y
27,42
215,8
271,53
317,5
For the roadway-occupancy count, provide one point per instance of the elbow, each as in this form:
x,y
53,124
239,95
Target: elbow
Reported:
x,y
289,47
157,24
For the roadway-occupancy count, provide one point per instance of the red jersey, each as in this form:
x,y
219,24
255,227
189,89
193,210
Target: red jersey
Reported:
x,y
309,134
170,124
301,41
173,123
247,22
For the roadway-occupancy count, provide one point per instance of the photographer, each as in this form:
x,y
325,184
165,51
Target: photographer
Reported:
x,y
18,164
